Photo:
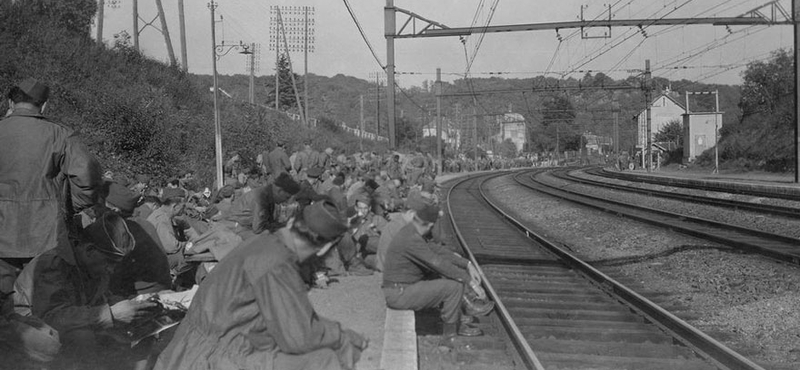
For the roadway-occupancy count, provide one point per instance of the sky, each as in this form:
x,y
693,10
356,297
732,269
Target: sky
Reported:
x,y
709,54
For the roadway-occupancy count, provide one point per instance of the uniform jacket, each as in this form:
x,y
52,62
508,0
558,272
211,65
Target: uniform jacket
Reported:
x,y
54,288
278,161
256,210
410,258
253,305
46,175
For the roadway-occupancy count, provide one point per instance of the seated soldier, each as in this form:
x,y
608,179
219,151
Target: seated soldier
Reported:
x,y
367,232
410,257
146,268
253,311
23,339
68,287
308,187
254,212
163,219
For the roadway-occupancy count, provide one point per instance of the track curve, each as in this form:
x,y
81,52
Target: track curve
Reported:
x,y
559,312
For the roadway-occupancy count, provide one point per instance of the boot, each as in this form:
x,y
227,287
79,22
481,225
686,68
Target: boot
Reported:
x,y
476,307
466,330
467,319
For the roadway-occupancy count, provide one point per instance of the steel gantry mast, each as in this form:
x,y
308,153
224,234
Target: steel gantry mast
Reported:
x,y
417,26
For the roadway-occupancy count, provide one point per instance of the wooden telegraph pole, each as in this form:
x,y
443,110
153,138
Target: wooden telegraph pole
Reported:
x,y
253,73
165,31
135,4
101,4
182,20
217,124
438,88
649,129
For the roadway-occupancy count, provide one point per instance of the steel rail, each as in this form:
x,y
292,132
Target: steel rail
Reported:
x,y
682,223
702,343
728,203
788,193
518,339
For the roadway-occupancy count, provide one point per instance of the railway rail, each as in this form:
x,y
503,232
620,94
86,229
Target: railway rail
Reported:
x,y
558,312
754,189
792,212
779,247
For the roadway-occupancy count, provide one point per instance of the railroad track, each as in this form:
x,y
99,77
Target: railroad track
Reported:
x,y
557,312
791,212
788,193
779,247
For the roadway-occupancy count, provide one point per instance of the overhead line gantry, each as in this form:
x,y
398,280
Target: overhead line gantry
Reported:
x,y
769,14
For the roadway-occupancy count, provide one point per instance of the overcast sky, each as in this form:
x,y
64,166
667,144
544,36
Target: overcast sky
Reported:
x,y
709,53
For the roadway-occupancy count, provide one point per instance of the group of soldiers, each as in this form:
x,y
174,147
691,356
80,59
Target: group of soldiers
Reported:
x,y
87,260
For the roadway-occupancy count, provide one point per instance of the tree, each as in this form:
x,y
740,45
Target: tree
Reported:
x,y
507,149
671,132
286,99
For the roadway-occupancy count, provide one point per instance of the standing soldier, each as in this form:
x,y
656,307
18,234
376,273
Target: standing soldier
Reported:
x,y
278,160
46,176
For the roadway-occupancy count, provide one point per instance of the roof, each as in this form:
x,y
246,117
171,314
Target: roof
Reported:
x,y
663,95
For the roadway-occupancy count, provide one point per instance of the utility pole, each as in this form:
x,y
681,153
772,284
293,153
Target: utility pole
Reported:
x,y
475,127
291,70
438,121
277,74
649,130
615,108
716,133
253,74
361,123
378,105
217,125
101,4
135,4
182,21
165,31
558,153
305,54
390,30
795,13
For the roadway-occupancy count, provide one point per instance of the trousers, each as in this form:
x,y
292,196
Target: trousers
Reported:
x,y
427,294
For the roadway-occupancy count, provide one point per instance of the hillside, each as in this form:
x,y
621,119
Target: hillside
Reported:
x,y
573,112
136,114
140,116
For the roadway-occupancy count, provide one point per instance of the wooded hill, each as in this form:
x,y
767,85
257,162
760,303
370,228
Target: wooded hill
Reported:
x,y
569,112
140,116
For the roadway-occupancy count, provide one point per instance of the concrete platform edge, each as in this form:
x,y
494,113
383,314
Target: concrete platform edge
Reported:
x,y
399,341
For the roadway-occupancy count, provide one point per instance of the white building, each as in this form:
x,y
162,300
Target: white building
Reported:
x,y
663,110
451,135
512,126
699,133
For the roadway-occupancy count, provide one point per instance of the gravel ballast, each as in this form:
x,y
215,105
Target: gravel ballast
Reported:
x,y
748,301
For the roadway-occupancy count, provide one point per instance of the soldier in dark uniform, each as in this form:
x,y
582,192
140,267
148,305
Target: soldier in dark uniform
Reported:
x,y
253,312
410,257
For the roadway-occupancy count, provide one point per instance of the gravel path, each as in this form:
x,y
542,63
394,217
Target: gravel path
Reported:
x,y
749,300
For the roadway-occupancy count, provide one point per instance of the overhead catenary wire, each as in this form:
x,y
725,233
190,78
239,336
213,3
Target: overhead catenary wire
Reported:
x,y
363,35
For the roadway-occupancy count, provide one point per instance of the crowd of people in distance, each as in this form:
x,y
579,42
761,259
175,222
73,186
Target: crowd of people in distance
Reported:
x,y
95,263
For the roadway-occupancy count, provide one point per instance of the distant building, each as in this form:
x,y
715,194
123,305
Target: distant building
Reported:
x,y
513,127
451,135
699,133
598,144
663,110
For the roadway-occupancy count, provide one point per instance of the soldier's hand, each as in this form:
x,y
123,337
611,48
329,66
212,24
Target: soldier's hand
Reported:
x,y
473,273
128,310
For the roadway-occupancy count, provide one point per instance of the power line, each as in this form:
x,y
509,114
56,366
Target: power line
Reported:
x,y
363,35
